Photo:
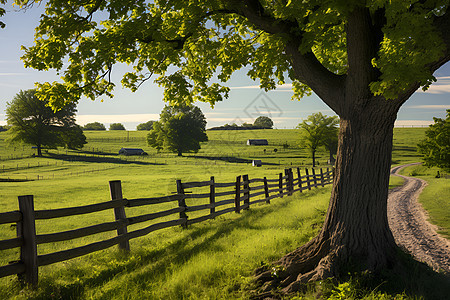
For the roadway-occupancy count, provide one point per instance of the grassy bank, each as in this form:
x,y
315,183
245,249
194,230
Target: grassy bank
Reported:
x,y
435,197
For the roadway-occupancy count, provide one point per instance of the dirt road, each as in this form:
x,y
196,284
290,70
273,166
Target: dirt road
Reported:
x,y
409,224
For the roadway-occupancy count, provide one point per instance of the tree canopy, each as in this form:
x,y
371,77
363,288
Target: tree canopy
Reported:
x,y
263,121
436,146
316,131
32,121
116,126
180,129
94,126
202,39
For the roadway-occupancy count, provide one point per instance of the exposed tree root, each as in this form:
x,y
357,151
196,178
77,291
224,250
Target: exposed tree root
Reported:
x,y
315,261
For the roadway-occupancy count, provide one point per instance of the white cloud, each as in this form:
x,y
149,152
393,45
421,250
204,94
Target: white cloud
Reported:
x,y
129,118
412,123
286,87
431,106
12,74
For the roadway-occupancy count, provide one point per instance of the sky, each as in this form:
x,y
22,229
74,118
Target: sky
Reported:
x,y
245,103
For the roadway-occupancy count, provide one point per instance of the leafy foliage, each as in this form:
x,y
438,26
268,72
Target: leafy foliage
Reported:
x,y
32,121
145,126
188,43
436,147
74,138
318,130
94,126
2,12
264,122
116,126
180,129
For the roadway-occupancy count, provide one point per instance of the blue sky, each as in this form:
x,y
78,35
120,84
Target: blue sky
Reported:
x,y
245,104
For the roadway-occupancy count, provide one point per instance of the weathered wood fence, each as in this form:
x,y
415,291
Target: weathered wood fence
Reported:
x,y
190,207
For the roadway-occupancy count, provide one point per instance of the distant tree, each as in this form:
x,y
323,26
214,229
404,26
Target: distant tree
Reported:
x,y
3,128
436,146
145,126
32,121
94,126
180,129
264,122
316,131
116,126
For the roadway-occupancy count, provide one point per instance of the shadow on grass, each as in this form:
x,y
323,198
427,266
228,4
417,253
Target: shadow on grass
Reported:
x,y
230,159
93,159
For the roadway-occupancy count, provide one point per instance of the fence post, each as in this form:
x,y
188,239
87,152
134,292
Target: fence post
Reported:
x,y
182,202
333,172
291,179
288,181
266,190
237,198
314,177
280,184
308,181
27,230
212,196
299,180
328,175
322,178
115,189
246,183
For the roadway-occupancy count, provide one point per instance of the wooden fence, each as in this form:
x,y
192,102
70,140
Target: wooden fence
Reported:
x,y
190,207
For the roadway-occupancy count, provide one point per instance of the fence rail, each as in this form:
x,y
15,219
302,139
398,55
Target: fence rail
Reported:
x,y
192,206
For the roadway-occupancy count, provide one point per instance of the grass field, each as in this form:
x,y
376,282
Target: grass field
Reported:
x,y
209,260
435,197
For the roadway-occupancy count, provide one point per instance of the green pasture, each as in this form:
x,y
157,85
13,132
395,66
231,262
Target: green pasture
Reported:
x,y
211,260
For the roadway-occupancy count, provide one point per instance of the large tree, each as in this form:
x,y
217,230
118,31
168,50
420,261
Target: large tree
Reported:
x,y
316,131
32,121
436,146
364,59
180,129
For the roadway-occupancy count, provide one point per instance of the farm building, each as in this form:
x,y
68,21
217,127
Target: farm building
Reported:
x,y
257,142
132,151
256,163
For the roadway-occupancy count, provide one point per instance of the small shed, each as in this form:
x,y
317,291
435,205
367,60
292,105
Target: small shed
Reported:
x,y
132,151
256,163
257,142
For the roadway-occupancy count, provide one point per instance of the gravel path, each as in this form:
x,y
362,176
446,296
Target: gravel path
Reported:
x,y
408,223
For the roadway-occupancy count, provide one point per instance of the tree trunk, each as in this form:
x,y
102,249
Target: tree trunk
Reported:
x,y
39,150
179,153
356,234
331,160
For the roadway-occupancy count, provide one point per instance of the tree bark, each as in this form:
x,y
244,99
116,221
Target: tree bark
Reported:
x,y
355,235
